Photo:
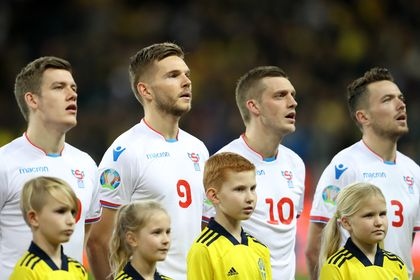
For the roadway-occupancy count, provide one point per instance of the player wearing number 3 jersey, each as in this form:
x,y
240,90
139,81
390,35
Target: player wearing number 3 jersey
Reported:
x,y
155,159
378,107
266,100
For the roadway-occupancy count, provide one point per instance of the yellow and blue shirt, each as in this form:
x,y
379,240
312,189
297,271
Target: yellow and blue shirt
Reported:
x,y
216,254
130,273
350,263
37,265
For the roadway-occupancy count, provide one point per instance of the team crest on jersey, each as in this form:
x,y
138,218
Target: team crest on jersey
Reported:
x,y
79,175
110,179
195,158
410,182
339,170
288,175
262,269
329,194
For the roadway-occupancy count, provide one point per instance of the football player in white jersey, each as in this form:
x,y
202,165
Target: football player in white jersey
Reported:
x,y
378,108
47,97
155,159
266,101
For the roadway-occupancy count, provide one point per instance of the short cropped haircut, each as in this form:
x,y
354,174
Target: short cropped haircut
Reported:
x,y
357,90
218,165
36,191
249,86
141,62
30,79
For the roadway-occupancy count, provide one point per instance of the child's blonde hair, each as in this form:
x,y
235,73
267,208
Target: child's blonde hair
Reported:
x,y
349,200
130,217
36,191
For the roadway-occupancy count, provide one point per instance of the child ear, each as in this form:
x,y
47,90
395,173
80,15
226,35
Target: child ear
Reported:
x,y
131,239
32,218
345,223
211,194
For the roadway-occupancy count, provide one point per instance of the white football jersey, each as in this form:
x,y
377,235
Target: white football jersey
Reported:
x,y
21,161
399,182
280,195
141,164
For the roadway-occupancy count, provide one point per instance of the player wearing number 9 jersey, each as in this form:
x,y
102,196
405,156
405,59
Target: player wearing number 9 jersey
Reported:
x,y
379,109
155,160
266,100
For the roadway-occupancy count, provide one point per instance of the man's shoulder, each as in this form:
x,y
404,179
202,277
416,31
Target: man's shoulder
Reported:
x,y
13,146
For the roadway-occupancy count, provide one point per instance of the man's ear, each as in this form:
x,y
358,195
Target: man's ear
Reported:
x,y
31,100
143,91
211,194
362,117
253,107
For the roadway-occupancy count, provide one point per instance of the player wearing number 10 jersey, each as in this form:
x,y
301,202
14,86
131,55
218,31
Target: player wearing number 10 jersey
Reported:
x,y
155,159
266,100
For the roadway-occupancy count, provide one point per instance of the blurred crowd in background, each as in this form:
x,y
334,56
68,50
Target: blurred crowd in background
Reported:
x,y
322,45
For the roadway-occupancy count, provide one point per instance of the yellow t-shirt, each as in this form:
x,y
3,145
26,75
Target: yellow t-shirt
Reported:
x,y
216,254
35,264
130,273
350,263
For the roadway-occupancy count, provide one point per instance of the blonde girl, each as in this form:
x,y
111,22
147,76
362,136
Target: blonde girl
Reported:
x,y
140,239
361,212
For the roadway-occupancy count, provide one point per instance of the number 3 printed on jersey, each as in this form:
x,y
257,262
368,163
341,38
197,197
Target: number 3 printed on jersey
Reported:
x,y
184,192
398,222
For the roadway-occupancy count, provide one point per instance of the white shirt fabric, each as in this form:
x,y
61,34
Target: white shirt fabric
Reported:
x,y
280,196
141,164
399,182
21,161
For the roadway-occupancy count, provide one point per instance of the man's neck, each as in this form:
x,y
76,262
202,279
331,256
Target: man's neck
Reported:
x,y
50,141
264,143
166,125
384,147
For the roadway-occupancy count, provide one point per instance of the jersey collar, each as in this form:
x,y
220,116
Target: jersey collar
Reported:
x,y
355,251
34,249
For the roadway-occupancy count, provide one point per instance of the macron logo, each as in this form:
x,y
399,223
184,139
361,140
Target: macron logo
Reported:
x,y
232,272
339,170
117,152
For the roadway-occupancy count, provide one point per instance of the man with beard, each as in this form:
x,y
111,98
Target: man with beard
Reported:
x,y
155,159
378,107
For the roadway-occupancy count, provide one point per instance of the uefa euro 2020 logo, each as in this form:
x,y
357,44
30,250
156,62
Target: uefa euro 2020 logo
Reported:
x,y
110,179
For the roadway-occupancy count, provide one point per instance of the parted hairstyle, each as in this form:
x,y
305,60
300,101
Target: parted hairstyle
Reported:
x,y
349,200
357,91
30,78
36,191
217,165
249,86
131,217
141,62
